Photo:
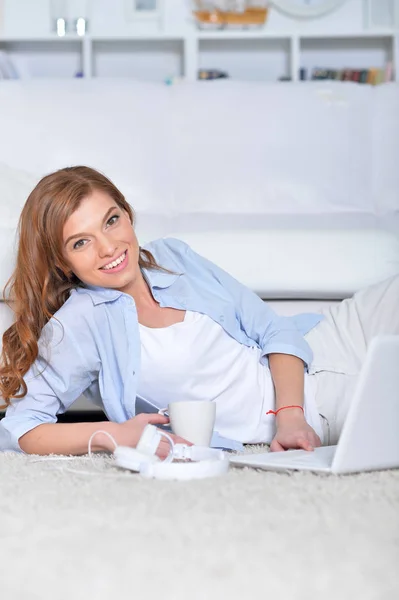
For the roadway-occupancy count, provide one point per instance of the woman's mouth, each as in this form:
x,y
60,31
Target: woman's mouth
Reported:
x,y
116,265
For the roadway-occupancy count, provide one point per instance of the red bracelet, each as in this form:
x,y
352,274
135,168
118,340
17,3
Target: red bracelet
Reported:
x,y
274,412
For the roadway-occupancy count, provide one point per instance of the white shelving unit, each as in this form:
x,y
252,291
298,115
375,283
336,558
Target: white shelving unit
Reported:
x,y
194,42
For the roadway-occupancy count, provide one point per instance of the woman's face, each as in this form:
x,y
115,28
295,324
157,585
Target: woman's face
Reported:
x,y
100,245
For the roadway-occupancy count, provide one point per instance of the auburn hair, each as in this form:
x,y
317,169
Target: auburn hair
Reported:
x,y
42,281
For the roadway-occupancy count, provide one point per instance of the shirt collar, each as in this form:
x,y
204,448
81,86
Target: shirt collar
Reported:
x,y
159,279
155,279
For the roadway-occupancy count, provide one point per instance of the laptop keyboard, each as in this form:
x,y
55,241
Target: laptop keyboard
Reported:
x,y
321,457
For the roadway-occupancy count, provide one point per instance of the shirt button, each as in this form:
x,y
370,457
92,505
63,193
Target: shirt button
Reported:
x,y
134,372
221,318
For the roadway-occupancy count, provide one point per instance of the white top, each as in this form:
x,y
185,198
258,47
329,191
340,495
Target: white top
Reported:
x,y
197,360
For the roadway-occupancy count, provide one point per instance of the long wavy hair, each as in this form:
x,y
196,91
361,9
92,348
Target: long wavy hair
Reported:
x,y
42,280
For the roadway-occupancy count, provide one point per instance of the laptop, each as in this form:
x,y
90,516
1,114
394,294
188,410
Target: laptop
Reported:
x,y
369,439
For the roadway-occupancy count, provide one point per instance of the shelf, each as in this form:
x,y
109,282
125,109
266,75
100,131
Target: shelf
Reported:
x,y
225,34
158,37
238,34
41,38
349,34
295,47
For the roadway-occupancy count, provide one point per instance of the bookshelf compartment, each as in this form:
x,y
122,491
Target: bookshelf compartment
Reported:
x,y
146,60
43,58
243,59
350,53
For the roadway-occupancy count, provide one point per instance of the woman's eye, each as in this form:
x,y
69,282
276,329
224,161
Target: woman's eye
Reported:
x,y
78,244
113,220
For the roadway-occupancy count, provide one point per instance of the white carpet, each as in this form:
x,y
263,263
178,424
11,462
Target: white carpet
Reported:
x,y
250,534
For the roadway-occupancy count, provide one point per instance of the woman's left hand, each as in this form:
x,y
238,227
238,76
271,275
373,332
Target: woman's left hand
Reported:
x,y
294,432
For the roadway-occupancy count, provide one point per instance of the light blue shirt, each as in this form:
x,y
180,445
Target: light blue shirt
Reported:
x,y
92,344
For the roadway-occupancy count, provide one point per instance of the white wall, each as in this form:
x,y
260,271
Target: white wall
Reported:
x,y
243,59
108,17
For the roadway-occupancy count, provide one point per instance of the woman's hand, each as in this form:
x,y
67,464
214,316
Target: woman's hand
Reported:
x,y
294,432
130,432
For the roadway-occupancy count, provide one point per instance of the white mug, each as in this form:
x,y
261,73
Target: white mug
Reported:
x,y
193,420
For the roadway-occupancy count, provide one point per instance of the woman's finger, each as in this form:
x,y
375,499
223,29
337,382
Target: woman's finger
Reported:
x,y
156,419
305,444
179,440
317,442
275,446
163,449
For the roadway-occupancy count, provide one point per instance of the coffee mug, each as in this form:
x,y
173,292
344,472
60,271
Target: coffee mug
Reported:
x,y
193,420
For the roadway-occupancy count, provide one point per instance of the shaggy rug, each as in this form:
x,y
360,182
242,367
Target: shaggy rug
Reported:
x,y
71,532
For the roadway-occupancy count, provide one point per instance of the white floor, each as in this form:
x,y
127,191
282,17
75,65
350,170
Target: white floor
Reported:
x,y
69,536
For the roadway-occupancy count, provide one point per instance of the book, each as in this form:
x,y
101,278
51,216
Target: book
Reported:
x,y
7,68
388,71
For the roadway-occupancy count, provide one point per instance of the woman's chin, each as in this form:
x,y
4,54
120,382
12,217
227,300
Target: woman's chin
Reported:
x,y
123,282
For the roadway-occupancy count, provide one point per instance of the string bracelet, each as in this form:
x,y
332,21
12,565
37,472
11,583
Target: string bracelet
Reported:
x,y
274,412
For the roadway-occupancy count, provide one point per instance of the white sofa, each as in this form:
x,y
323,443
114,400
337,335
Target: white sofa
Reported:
x,y
293,188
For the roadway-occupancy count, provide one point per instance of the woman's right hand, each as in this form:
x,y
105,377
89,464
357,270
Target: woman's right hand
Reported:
x,y
129,432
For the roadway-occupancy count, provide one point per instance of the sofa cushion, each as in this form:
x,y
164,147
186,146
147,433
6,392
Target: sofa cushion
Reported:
x,y
7,255
283,263
252,148
228,147
6,319
119,127
329,264
15,187
385,173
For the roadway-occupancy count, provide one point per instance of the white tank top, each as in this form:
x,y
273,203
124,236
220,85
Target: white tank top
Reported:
x,y
197,360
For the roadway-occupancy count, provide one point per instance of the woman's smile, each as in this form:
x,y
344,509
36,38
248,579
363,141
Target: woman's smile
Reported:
x,y
116,265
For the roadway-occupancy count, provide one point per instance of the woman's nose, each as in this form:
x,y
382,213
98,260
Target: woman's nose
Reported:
x,y
106,247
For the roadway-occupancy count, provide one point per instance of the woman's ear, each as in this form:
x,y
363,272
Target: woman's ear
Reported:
x,y
64,272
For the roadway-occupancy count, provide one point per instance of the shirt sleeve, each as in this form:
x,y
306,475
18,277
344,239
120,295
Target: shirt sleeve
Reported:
x,y
271,332
55,380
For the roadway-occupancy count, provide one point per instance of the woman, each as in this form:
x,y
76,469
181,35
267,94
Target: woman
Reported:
x,y
97,314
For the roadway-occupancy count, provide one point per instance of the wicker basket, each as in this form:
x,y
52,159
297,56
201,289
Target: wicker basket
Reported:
x,y
230,13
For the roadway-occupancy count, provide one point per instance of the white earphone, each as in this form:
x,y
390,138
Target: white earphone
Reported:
x,y
202,461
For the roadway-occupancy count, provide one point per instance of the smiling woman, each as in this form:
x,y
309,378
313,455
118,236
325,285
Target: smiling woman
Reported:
x,y
62,205
96,314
